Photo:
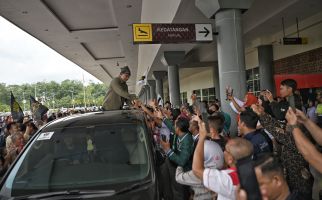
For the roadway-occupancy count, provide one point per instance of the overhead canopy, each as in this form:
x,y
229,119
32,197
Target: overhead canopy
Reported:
x,y
97,34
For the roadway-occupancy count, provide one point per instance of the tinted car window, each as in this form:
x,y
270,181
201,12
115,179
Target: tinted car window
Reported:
x,y
96,157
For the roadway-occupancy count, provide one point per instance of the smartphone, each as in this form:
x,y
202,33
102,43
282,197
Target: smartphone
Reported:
x,y
247,178
291,101
164,138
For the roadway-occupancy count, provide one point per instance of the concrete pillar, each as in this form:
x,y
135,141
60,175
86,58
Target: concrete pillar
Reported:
x,y
216,81
230,48
152,89
141,97
266,75
147,92
173,59
159,76
174,85
231,60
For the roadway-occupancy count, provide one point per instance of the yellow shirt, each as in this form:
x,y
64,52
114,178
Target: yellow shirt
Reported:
x,y
319,109
90,146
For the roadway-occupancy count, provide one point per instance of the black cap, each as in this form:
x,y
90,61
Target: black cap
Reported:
x,y
125,70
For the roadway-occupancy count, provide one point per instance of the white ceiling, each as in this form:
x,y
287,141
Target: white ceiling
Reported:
x,y
264,18
97,34
261,20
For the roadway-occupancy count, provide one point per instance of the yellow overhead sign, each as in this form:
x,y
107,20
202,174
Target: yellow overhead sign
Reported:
x,y
142,32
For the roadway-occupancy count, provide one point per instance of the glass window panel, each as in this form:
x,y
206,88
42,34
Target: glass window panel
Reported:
x,y
198,92
211,91
248,74
185,95
211,98
250,86
256,85
205,92
256,73
120,156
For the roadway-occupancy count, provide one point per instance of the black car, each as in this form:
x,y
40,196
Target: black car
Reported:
x,y
101,155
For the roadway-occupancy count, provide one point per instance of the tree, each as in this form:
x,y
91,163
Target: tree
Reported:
x,y
63,94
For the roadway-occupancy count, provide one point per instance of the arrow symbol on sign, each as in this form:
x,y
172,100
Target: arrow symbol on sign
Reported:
x,y
206,31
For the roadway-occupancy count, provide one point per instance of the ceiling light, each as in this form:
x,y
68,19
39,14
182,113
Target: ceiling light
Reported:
x,y
24,12
128,6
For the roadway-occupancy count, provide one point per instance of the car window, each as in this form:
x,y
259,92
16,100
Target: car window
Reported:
x,y
97,157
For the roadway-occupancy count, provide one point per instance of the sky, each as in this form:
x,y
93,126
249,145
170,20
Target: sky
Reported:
x,y
24,59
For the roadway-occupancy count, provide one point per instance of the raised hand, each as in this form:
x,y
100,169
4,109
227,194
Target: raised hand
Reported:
x,y
258,109
291,117
268,95
301,117
165,145
158,114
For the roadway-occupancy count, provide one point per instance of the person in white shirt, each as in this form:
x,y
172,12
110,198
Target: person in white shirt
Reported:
x,y
223,182
213,159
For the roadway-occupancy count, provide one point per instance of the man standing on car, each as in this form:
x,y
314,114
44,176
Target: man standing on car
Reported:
x,y
118,93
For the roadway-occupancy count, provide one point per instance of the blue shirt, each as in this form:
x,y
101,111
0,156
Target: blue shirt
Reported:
x,y
259,142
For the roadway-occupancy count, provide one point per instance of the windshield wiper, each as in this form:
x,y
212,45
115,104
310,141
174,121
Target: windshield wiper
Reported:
x,y
131,187
79,193
76,193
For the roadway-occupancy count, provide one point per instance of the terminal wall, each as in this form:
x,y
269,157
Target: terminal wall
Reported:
x,y
310,28
203,79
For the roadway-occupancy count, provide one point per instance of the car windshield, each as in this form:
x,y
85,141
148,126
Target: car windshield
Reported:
x,y
97,157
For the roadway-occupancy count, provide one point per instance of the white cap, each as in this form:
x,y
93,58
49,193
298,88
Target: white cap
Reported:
x,y
213,155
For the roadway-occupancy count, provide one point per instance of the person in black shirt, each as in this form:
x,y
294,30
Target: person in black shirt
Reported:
x,y
272,183
247,129
289,98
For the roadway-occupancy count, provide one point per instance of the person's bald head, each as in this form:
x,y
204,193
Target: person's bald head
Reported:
x,y
237,148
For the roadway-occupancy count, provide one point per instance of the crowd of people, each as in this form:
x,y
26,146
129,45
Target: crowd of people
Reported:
x,y
14,135
278,141
200,159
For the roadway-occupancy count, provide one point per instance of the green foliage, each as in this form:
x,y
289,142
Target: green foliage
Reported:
x,y
66,94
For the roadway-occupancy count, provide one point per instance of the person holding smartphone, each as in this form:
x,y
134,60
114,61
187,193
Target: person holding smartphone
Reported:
x,y
289,99
178,154
298,175
213,158
271,180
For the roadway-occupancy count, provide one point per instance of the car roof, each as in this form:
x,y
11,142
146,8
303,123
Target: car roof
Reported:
x,y
97,118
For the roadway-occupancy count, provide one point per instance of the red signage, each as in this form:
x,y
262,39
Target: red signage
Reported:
x,y
302,80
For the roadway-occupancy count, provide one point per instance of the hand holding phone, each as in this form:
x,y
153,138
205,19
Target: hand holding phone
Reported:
x,y
291,101
269,96
229,93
